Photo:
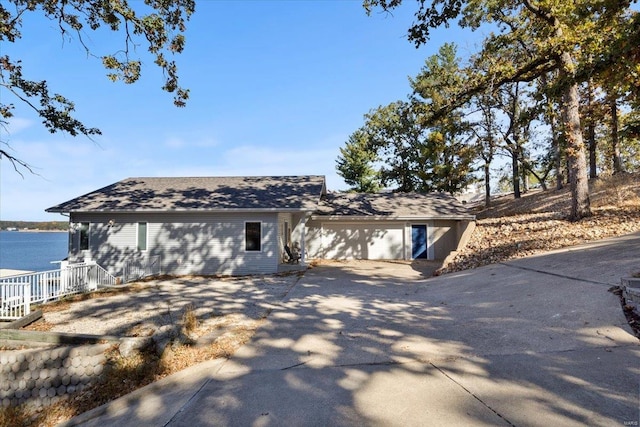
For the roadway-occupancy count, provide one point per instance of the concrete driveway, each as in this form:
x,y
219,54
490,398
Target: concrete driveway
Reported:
x,y
539,341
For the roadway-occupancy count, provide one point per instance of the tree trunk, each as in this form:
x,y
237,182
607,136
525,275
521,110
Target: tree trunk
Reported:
x,y
615,148
555,146
593,166
591,135
578,180
524,172
487,185
515,174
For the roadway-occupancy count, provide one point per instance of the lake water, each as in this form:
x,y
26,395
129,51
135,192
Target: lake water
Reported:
x,y
32,251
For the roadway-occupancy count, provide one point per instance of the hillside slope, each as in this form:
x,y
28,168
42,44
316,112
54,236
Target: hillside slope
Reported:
x,y
538,222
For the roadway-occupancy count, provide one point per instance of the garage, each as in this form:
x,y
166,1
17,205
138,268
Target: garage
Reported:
x,y
363,240
394,226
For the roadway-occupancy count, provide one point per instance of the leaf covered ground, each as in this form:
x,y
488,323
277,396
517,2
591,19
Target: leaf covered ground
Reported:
x,y
537,222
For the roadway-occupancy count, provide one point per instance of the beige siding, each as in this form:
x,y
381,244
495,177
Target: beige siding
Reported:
x,y
378,240
313,241
187,243
443,237
199,243
374,240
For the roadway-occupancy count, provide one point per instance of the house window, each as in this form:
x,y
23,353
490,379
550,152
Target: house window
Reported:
x,y
84,236
252,236
142,236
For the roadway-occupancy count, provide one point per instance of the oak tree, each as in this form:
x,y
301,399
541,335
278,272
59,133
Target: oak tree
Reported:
x,y
552,36
158,25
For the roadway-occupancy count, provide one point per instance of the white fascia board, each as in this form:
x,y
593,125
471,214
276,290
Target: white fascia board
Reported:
x,y
235,210
390,218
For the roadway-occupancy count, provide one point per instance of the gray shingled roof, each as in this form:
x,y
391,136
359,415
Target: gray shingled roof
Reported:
x,y
391,205
206,193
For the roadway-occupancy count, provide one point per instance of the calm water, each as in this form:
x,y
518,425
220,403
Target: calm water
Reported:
x,y
32,251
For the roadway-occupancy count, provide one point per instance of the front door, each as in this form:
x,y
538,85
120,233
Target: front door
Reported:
x,y
418,241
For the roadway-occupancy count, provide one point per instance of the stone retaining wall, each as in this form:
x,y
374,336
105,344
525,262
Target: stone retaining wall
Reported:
x,y
40,377
631,292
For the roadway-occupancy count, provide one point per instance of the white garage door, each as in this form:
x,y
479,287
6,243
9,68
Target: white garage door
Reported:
x,y
363,241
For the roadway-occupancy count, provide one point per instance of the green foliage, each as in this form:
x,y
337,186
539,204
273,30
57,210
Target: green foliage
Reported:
x,y
562,42
355,164
415,150
156,24
394,134
429,15
446,156
35,225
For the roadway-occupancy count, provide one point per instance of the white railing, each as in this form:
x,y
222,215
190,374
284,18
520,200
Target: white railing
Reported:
x,y
32,288
136,269
15,299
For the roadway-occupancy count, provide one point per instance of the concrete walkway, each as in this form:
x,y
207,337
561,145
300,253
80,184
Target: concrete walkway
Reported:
x,y
538,341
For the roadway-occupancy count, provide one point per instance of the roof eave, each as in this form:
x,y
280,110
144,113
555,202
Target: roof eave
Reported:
x,y
185,210
317,217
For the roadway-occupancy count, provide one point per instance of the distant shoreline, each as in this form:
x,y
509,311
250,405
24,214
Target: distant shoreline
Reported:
x,y
36,231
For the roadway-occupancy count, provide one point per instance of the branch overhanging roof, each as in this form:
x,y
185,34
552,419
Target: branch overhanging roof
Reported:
x,y
300,193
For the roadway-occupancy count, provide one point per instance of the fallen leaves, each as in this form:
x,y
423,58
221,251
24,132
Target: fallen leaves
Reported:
x,y
536,223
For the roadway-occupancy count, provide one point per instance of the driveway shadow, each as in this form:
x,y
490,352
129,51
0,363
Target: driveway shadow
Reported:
x,y
382,345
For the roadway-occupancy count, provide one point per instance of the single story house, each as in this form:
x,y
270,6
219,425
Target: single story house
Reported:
x,y
240,225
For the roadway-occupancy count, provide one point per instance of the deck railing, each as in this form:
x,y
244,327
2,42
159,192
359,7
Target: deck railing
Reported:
x,y
136,269
15,300
18,292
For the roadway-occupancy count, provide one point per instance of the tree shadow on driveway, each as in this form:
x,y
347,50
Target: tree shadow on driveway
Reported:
x,y
496,346
380,344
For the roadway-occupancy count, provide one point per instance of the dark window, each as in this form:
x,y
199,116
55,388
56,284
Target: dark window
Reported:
x,y
252,236
142,236
84,236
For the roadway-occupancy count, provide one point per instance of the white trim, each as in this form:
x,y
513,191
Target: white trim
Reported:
x,y
244,237
183,210
375,218
427,241
303,241
80,249
146,237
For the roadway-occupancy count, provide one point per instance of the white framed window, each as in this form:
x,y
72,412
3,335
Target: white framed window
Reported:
x,y
253,236
142,236
84,236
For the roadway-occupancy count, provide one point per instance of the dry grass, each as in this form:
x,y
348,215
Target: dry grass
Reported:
x,y
39,325
189,319
65,302
123,375
618,191
126,374
15,416
536,223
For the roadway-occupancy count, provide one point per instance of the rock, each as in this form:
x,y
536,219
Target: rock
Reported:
x,y
163,337
130,345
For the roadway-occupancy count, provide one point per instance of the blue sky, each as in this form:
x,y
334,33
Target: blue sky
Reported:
x,y
276,87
